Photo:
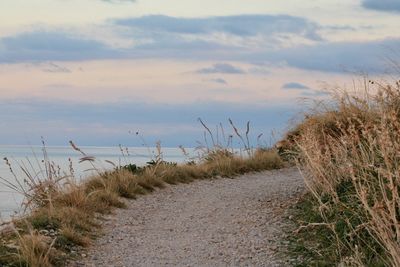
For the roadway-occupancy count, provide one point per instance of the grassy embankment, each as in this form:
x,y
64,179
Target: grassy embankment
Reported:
x,y
349,152
65,214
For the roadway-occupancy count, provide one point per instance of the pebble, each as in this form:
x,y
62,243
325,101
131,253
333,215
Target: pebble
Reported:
x,y
44,232
218,222
7,229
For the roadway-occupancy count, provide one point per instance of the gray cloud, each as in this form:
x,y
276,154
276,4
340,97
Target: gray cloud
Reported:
x,y
55,68
49,41
210,37
169,41
219,80
334,57
340,27
47,46
64,46
382,5
295,86
242,25
221,68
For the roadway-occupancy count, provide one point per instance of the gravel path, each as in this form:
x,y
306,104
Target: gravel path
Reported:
x,y
220,222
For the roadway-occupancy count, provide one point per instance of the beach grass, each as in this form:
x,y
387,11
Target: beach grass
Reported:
x,y
348,152
65,215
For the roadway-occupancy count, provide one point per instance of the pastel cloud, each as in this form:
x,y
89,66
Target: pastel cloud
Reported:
x,y
152,80
258,39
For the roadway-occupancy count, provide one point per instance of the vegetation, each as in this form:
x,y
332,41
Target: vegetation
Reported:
x,y
347,150
349,155
65,214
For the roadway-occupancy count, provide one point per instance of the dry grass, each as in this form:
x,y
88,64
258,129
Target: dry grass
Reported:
x,y
351,161
72,236
36,250
71,211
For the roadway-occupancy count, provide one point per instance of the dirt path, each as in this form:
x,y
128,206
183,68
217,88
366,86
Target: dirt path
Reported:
x,y
220,222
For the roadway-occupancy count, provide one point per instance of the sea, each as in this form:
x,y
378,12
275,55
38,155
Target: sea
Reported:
x,y
31,158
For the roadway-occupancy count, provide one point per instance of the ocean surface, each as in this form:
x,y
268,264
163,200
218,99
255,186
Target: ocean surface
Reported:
x,y
32,158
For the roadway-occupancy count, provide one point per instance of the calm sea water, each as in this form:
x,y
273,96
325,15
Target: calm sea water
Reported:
x,y
10,201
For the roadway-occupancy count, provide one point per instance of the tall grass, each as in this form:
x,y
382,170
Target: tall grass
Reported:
x,y
64,214
350,156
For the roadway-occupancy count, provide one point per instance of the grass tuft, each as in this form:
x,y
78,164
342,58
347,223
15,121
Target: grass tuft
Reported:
x,y
349,153
65,214
36,250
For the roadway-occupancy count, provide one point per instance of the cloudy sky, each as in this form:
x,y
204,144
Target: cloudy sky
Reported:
x,y
93,70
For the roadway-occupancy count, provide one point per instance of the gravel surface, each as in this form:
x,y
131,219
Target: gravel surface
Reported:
x,y
219,222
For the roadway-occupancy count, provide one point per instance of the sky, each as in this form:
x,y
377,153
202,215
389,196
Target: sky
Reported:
x,y
96,71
